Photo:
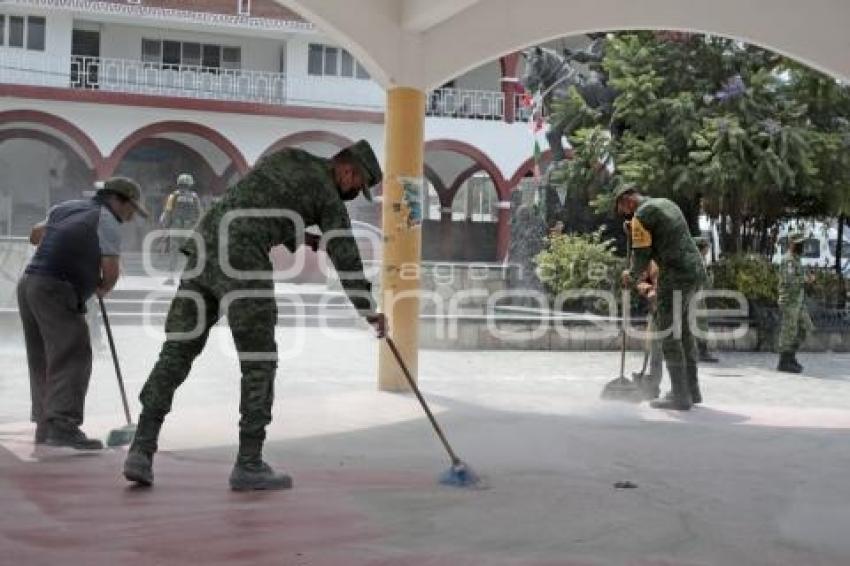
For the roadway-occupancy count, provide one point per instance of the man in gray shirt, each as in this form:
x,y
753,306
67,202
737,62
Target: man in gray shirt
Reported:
x,y
79,244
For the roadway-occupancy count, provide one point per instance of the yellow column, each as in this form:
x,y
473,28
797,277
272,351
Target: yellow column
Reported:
x,y
402,227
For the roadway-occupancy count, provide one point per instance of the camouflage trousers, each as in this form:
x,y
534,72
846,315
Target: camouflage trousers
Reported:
x,y
252,314
796,324
677,340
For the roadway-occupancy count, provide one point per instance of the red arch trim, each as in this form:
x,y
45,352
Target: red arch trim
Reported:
x,y
85,143
298,138
460,180
38,135
479,157
151,130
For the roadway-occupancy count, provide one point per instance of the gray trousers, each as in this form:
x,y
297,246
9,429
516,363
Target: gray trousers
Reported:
x,y
58,350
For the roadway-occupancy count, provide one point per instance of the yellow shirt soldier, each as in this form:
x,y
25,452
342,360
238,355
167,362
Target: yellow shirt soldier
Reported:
x,y
660,233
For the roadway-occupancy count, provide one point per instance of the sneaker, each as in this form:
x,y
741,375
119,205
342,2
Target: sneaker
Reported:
x,y
247,477
71,438
138,467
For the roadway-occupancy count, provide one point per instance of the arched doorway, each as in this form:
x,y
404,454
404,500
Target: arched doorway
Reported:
x,y
44,160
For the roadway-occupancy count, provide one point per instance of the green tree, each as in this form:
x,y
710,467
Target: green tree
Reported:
x,y
741,133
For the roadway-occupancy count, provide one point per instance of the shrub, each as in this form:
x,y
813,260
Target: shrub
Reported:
x,y
752,276
580,262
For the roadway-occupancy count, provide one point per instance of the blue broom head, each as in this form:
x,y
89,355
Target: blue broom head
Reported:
x,y
460,475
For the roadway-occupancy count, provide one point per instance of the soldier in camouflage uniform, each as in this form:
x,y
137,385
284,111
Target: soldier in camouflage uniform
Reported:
x,y
182,211
796,322
660,233
232,277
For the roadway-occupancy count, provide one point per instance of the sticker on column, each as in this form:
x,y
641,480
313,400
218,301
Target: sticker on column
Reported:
x,y
411,196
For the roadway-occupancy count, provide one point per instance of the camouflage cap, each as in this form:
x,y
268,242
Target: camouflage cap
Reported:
x,y
371,169
620,191
127,188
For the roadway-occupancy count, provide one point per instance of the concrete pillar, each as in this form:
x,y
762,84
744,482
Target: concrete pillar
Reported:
x,y
405,119
503,229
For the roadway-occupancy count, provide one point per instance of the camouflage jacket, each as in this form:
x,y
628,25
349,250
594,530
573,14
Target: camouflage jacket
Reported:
x,y
659,232
272,205
792,289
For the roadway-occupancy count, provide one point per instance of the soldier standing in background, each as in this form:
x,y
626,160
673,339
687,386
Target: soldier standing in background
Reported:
x,y
660,233
796,322
234,277
182,211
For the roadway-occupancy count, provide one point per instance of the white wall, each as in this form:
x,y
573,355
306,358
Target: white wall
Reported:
x,y
49,67
125,42
507,145
306,90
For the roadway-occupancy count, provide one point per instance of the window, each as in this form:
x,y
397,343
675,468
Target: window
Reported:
x,y
191,54
330,61
315,59
243,7
211,56
171,54
231,58
2,29
16,31
346,64
176,54
811,248
361,72
324,60
151,51
36,28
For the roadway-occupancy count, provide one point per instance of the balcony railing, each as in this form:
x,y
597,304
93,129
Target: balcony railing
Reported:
x,y
194,81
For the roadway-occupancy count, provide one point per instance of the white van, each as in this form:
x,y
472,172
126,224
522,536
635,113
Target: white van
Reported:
x,y
819,247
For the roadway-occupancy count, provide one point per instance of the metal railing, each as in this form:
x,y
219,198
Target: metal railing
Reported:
x,y
213,83
456,103
193,81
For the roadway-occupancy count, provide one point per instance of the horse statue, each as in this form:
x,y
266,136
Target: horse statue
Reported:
x,y
553,74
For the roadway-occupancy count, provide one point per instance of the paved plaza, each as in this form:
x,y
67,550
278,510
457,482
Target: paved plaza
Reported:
x,y
757,475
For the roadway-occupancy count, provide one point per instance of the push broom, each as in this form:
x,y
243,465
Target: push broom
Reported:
x,y
459,474
622,388
124,435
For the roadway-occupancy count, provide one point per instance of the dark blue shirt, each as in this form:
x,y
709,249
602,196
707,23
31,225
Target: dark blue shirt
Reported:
x,y
77,233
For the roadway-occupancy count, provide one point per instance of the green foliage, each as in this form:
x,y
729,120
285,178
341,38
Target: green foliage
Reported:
x,y
752,276
752,135
579,262
825,288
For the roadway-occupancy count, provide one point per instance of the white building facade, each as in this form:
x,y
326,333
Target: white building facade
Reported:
x,y
150,89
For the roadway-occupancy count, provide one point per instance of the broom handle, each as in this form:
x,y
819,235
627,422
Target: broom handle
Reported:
x,y
626,301
412,383
115,360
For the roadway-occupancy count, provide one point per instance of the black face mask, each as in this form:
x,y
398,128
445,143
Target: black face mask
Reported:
x,y
350,195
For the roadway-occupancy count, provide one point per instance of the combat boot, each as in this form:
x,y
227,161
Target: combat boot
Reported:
x,y
693,384
138,467
248,476
679,397
796,363
787,363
